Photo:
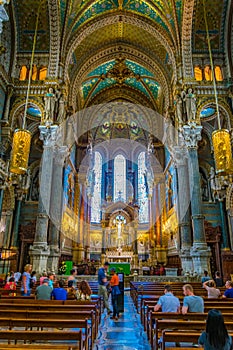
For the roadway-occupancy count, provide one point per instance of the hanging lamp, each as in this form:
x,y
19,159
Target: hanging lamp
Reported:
x,y
221,138
22,137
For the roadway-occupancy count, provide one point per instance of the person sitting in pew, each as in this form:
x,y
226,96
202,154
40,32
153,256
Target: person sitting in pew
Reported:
x,y
191,302
206,277
212,291
10,285
215,336
168,302
84,291
43,292
229,290
218,279
59,293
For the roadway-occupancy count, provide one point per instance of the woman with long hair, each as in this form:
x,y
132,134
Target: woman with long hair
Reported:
x,y
215,335
84,291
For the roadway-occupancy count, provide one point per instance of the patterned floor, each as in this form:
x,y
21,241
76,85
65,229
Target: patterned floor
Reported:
x,y
124,334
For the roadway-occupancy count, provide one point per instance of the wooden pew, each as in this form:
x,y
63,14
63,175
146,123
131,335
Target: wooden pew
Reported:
x,y
37,347
154,316
39,336
183,325
54,319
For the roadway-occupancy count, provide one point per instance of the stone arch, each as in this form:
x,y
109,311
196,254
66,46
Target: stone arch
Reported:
x,y
138,57
54,52
19,104
188,9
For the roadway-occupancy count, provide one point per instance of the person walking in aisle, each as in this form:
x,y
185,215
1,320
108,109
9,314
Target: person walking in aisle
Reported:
x,y
103,282
115,292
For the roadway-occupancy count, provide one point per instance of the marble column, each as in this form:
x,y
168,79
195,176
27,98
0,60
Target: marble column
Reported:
x,y
81,221
15,233
230,225
180,157
1,199
60,153
225,238
39,251
7,235
88,229
200,252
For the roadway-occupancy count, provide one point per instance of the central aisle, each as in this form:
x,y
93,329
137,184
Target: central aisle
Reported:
x,y
125,334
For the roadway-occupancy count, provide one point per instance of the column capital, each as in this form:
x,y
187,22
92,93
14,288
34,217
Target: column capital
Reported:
x,y
191,134
49,135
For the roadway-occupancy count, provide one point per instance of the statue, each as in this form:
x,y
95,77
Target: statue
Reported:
x,y
61,108
50,100
213,184
179,108
190,105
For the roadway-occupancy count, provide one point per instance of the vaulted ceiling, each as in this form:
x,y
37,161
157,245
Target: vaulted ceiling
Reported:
x,y
146,41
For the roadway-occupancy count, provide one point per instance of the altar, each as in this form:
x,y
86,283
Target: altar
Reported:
x,y
118,256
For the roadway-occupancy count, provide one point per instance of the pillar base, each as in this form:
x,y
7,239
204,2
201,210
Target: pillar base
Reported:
x,y
201,257
39,254
52,264
186,260
78,254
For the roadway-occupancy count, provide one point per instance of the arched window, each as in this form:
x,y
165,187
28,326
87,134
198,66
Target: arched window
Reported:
x,y
34,72
142,188
119,178
96,199
208,73
218,73
43,73
198,73
23,73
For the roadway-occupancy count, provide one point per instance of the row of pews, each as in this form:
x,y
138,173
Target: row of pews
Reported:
x,y
56,324
175,327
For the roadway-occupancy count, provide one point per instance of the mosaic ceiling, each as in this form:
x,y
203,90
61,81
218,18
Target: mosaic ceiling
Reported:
x,y
163,16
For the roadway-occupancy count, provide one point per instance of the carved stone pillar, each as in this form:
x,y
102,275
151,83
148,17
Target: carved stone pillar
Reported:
x,y
200,252
2,188
40,251
60,153
181,162
88,233
7,234
15,232
230,225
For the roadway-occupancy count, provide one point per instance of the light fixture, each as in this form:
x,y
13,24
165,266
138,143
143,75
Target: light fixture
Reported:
x,y
22,137
221,137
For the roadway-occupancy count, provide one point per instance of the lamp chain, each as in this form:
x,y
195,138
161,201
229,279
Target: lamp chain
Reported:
x,y
31,64
212,65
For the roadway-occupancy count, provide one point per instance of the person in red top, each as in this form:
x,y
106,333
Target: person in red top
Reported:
x,y
114,283
11,285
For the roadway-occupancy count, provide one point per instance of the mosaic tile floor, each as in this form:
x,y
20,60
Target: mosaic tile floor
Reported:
x,y
124,334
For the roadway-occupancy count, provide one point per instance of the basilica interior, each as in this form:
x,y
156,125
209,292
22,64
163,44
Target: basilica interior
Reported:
x,y
115,120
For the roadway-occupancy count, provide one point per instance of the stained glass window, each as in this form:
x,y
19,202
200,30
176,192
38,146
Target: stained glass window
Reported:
x,y
119,178
142,188
96,199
